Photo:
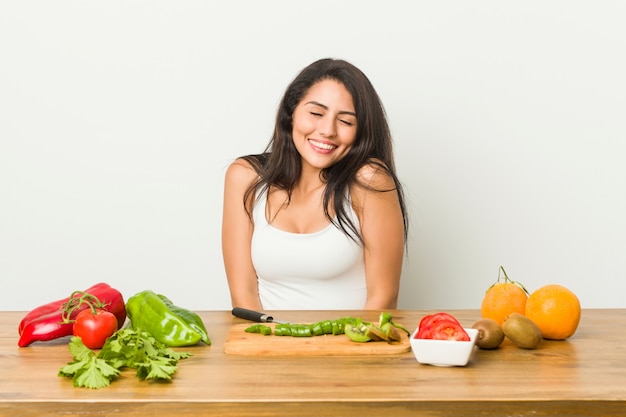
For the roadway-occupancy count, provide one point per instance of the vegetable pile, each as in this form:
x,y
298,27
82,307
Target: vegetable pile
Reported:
x,y
355,328
95,317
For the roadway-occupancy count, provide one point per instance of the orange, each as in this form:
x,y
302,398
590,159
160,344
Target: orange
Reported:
x,y
502,299
555,310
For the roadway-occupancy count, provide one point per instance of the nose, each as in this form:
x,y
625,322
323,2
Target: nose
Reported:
x,y
326,127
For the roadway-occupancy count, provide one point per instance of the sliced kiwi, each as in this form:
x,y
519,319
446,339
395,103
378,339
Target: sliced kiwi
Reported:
x,y
357,332
393,335
376,334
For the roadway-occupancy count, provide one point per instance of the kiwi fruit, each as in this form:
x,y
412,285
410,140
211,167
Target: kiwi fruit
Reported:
x,y
490,333
522,331
357,332
376,334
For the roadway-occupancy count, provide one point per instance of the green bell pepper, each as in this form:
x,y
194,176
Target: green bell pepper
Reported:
x,y
169,324
192,318
259,328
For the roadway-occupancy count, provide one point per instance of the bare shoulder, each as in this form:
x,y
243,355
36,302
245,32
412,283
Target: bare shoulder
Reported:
x,y
240,171
375,176
374,185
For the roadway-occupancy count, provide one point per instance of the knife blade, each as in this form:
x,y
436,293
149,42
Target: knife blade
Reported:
x,y
257,316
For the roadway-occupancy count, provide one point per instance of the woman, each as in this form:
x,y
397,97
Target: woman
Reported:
x,y
318,220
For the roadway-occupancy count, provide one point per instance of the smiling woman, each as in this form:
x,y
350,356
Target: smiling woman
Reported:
x,y
324,125
318,221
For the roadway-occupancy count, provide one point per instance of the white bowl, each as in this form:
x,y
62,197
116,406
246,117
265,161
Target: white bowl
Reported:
x,y
443,352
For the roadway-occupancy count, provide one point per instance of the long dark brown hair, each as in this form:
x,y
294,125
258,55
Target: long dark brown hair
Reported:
x,y
280,164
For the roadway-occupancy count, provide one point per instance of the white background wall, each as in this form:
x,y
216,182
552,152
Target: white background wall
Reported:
x,y
118,118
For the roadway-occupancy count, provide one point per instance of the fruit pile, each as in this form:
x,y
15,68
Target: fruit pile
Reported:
x,y
509,310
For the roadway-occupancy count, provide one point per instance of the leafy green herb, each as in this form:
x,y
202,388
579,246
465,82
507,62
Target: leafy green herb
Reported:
x,y
130,348
87,370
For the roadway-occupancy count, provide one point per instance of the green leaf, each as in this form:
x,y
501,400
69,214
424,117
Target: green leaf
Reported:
x,y
161,371
97,374
73,367
105,368
156,368
79,350
172,354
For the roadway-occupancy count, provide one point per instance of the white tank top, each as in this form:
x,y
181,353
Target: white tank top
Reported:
x,y
324,270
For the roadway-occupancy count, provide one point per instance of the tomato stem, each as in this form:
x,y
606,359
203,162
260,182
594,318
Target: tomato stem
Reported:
x,y
77,299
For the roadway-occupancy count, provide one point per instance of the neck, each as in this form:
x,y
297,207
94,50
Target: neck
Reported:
x,y
310,181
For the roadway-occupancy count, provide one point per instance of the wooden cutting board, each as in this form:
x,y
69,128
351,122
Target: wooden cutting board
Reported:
x,y
239,342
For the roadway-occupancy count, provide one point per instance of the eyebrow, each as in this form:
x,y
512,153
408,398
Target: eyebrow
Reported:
x,y
315,103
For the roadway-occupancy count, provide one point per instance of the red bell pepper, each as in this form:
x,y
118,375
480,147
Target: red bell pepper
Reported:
x,y
50,321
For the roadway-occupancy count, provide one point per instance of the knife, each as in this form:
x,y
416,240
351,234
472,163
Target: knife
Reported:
x,y
244,313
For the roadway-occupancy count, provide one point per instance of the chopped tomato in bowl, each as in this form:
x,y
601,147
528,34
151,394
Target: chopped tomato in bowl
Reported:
x,y
441,340
441,326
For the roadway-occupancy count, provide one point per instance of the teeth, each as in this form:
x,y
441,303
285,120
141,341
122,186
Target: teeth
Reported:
x,y
323,145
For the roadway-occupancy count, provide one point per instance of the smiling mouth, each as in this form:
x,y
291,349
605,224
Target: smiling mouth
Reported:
x,y
322,145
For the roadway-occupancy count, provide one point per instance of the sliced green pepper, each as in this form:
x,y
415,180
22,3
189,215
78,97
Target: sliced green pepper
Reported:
x,y
334,327
327,327
317,329
385,318
149,312
260,328
282,329
301,330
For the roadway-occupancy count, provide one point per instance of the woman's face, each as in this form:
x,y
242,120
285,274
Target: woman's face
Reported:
x,y
324,124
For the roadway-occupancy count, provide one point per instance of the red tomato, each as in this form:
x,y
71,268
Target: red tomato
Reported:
x,y
94,329
449,330
428,322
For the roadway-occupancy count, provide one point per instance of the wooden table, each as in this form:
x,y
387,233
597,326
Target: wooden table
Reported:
x,y
583,376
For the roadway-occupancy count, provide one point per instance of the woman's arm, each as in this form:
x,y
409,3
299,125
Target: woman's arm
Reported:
x,y
382,228
237,236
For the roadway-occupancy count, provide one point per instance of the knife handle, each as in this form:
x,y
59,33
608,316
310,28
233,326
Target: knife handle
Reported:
x,y
244,313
